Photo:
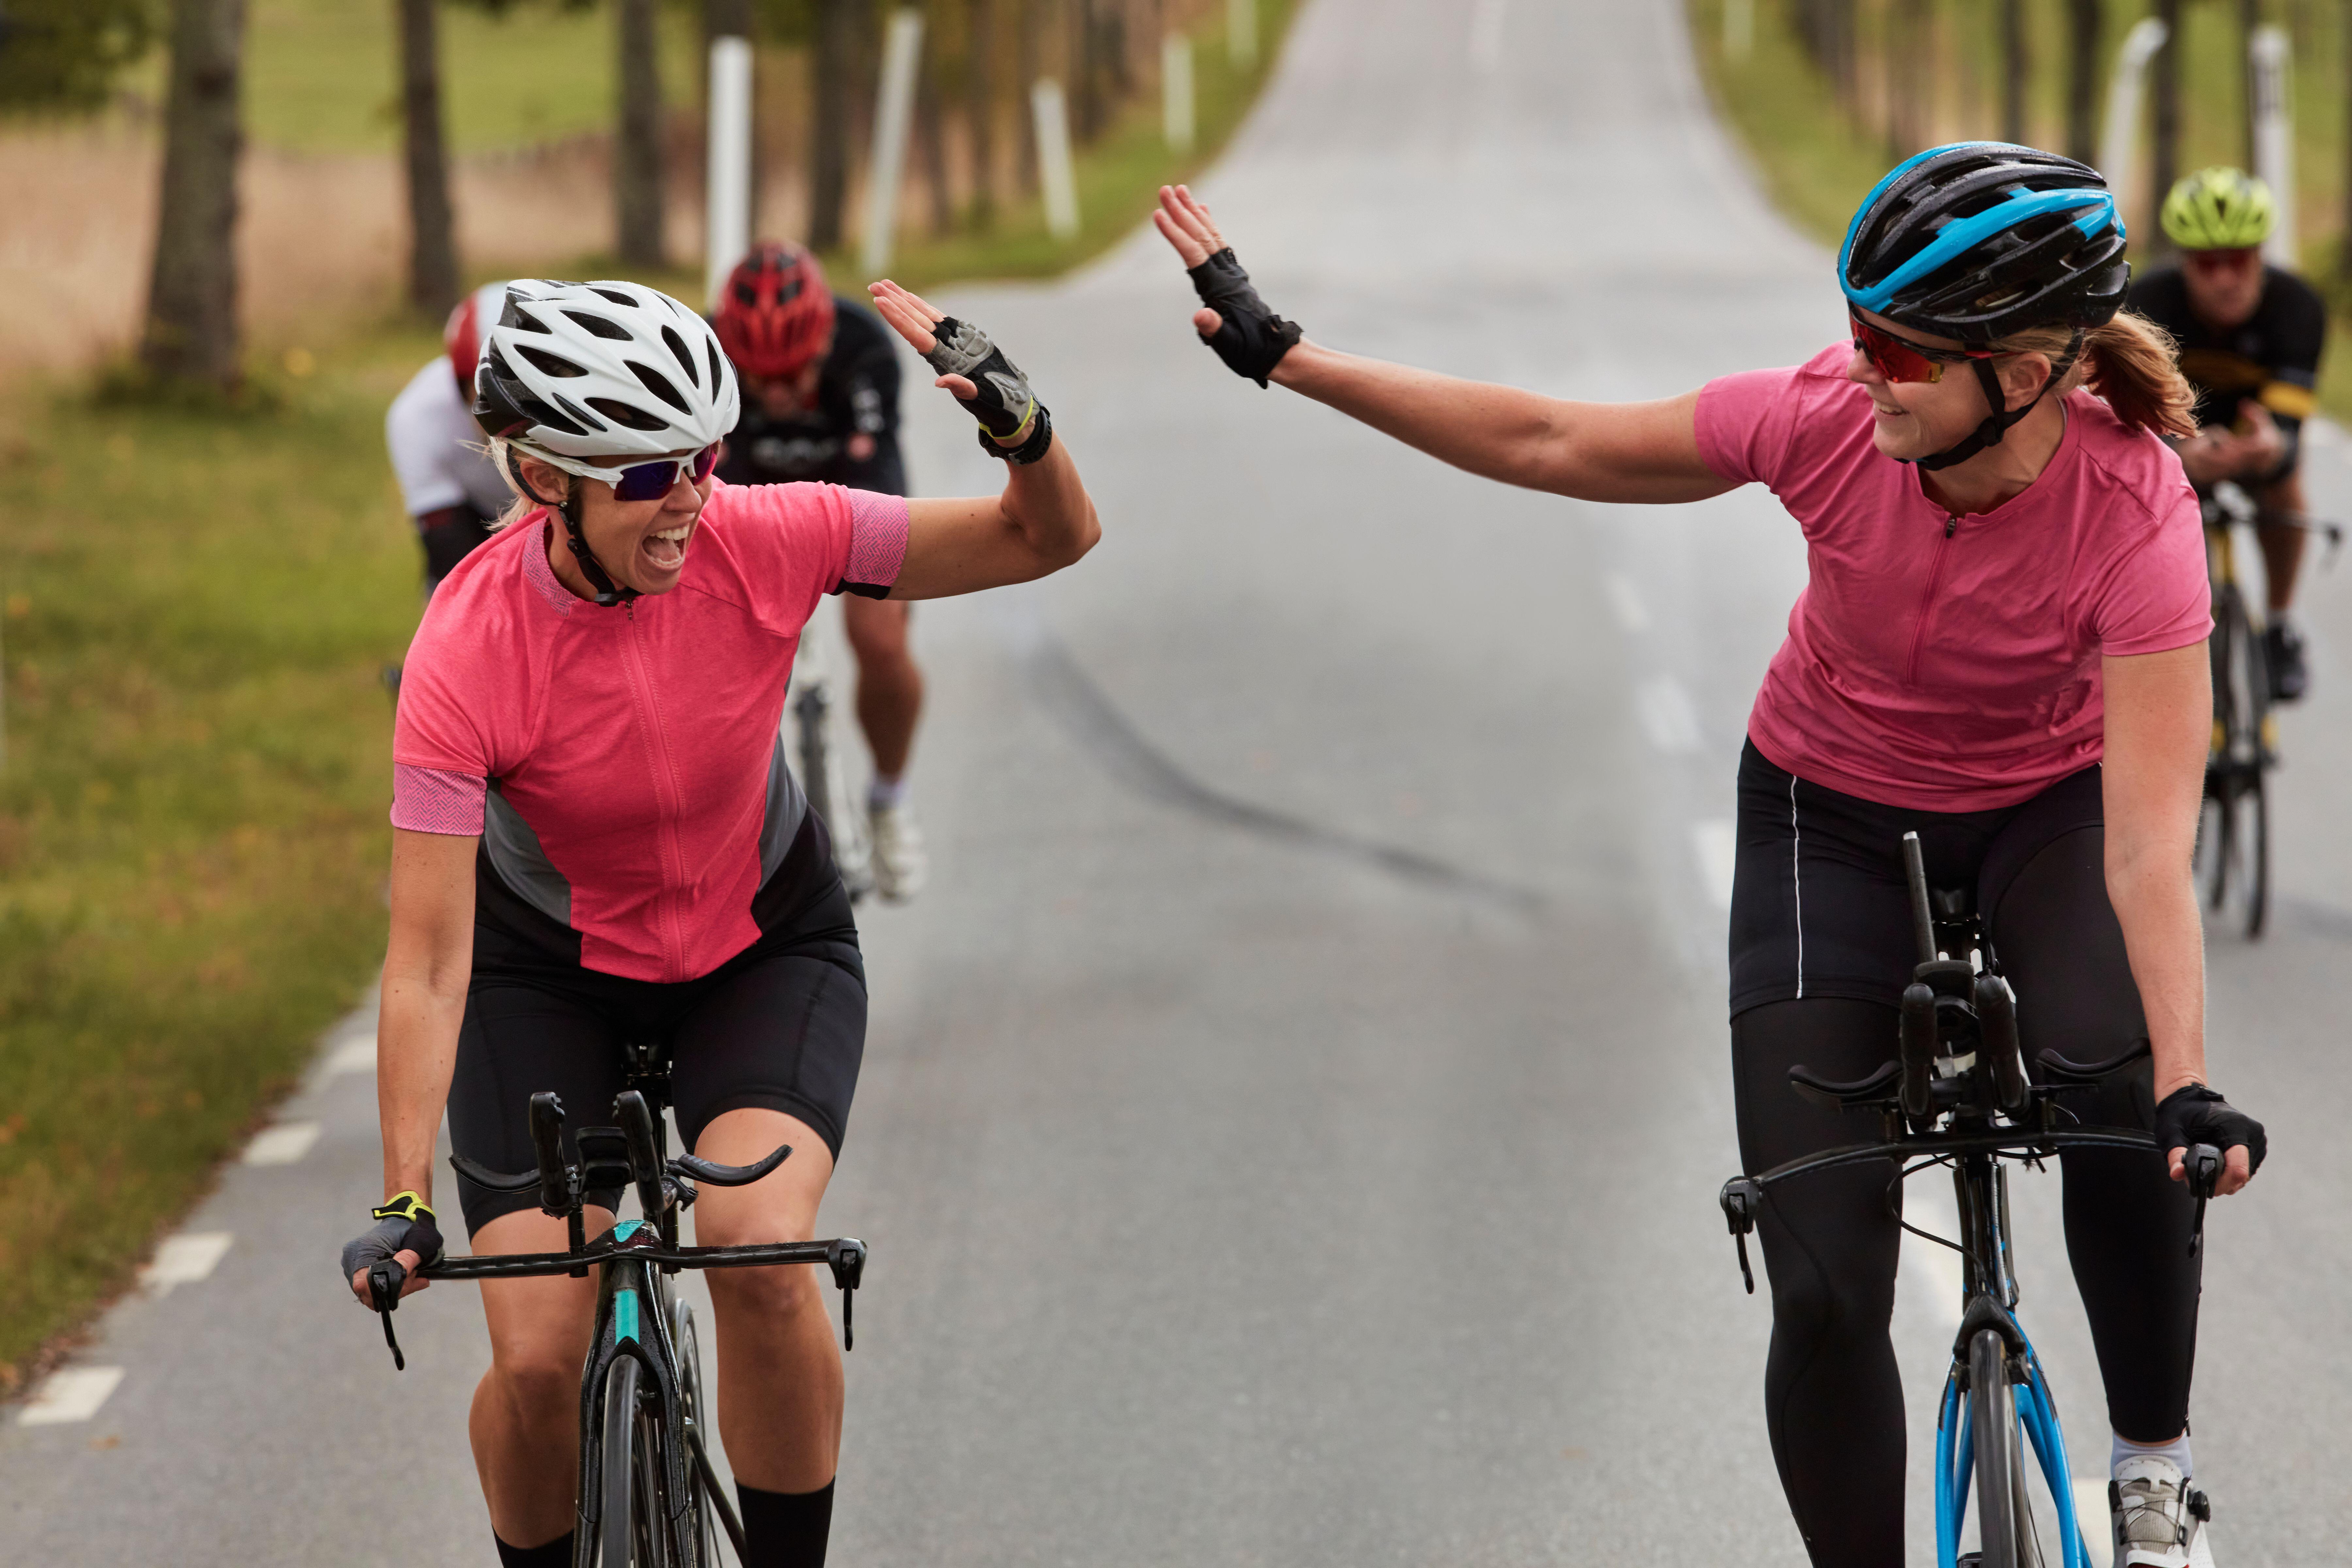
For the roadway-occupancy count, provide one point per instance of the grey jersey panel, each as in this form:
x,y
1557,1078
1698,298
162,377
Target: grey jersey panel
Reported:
x,y
787,806
516,855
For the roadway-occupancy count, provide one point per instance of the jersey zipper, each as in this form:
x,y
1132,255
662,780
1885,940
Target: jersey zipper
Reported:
x,y
1927,599
665,798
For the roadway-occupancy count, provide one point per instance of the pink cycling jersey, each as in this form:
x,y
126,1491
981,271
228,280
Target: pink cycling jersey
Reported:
x,y
1952,664
624,766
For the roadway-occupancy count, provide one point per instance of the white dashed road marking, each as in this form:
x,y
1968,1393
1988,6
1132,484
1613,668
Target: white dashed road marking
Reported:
x,y
72,1394
183,1259
282,1144
1626,600
1667,716
1715,843
353,1056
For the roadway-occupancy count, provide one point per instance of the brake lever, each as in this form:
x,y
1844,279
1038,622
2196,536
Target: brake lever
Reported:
x,y
384,1281
848,1258
1740,1199
2202,1165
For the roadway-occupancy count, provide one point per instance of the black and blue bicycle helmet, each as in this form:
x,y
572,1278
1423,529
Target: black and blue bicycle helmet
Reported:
x,y
1979,239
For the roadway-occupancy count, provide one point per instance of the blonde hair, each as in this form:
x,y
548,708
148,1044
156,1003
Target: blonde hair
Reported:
x,y
2129,361
502,453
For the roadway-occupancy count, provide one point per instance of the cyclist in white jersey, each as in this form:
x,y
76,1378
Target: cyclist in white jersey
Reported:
x,y
448,483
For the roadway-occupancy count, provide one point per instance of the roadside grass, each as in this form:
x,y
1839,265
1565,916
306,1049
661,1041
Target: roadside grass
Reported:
x,y
195,611
1818,161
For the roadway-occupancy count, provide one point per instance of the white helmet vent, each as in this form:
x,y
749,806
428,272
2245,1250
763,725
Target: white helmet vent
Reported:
x,y
649,367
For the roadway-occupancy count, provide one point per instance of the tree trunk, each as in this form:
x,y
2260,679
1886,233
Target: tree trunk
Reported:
x,y
2012,70
829,173
432,238
1085,85
1909,76
981,100
190,332
2250,17
2085,24
931,130
1026,55
637,149
2344,244
2164,165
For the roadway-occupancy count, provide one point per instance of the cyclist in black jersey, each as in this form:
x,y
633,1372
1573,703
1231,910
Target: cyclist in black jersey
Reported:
x,y
821,403
2251,337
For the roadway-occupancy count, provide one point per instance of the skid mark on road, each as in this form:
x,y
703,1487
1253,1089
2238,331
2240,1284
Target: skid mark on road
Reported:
x,y
1088,712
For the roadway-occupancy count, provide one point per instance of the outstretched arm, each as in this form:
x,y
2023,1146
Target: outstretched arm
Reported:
x,y
1593,451
1043,521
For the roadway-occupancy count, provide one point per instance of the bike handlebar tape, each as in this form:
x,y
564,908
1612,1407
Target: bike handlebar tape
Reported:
x,y
403,1225
1250,338
2195,1113
1006,407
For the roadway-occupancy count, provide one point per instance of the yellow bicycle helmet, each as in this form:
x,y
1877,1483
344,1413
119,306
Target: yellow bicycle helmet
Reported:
x,y
2219,209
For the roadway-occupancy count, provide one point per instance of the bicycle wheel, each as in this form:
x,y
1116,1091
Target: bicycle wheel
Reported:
x,y
629,1531
2233,830
2005,1530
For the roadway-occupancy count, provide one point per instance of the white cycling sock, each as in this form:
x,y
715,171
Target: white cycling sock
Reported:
x,y
885,794
2176,1451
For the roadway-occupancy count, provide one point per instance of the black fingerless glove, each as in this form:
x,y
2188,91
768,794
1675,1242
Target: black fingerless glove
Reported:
x,y
2194,1114
403,1225
1005,407
1250,338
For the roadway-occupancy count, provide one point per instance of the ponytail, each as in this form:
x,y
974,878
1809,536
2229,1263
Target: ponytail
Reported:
x,y
2128,361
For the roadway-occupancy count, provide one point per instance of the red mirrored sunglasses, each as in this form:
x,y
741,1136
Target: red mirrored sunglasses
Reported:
x,y
1899,358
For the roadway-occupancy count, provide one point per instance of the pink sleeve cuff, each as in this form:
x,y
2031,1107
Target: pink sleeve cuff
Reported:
x,y
432,800
878,544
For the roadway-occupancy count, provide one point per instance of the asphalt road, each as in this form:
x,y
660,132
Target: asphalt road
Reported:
x,y
1291,1122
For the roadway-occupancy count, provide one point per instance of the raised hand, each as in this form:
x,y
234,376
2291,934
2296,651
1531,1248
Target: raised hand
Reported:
x,y
1013,424
1241,327
913,317
1183,220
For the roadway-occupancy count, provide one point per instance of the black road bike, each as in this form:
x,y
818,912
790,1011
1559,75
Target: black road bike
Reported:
x,y
1958,1096
649,1496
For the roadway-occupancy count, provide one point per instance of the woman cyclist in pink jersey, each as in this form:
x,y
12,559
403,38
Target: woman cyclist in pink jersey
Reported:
x,y
597,842
2000,645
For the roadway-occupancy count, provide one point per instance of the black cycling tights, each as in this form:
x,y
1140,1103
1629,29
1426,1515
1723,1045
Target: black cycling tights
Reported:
x,y
1833,1398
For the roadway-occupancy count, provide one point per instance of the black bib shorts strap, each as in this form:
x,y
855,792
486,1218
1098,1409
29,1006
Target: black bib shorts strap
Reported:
x,y
1822,946
780,1025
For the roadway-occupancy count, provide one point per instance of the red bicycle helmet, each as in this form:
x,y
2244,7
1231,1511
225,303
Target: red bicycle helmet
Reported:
x,y
775,313
462,334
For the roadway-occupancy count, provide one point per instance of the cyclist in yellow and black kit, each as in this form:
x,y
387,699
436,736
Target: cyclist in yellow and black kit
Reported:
x,y
2250,338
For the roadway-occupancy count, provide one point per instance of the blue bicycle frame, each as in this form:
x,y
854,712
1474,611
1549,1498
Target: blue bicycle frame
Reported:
x,y
1955,1451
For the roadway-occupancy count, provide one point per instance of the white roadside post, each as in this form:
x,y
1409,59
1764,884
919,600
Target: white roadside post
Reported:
x,y
727,201
2270,60
1176,90
892,116
2119,141
1241,32
1739,30
1052,120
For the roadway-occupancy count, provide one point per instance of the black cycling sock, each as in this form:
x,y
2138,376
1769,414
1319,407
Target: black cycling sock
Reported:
x,y
785,1529
556,1554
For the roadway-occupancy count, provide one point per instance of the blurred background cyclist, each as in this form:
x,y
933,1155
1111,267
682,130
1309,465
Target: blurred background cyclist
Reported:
x,y
2250,336
821,402
448,483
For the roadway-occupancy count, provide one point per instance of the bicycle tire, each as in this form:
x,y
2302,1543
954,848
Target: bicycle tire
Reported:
x,y
2005,1511
629,1529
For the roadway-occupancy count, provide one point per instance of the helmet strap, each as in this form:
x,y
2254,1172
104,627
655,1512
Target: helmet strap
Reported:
x,y
608,593
1997,423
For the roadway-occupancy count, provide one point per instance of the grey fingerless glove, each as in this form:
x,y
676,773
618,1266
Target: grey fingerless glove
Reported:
x,y
1006,406
403,1225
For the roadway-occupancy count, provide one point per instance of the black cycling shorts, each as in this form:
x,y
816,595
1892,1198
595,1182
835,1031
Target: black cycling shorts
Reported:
x,y
1819,903
780,1025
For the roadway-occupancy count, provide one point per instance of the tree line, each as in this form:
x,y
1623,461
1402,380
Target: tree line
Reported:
x,y
978,60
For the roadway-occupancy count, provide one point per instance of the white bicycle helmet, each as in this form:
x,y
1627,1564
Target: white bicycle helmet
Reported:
x,y
601,370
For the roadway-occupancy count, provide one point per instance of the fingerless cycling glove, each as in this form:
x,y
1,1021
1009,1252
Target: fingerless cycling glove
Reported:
x,y
2195,1114
403,1225
1250,338
1006,406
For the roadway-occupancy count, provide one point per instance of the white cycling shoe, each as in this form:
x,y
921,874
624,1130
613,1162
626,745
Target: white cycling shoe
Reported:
x,y
899,866
2160,1518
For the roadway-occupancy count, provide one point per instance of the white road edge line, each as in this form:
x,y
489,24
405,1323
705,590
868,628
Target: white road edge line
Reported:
x,y
351,1056
1666,715
1626,601
73,1394
1717,844
282,1144
183,1259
